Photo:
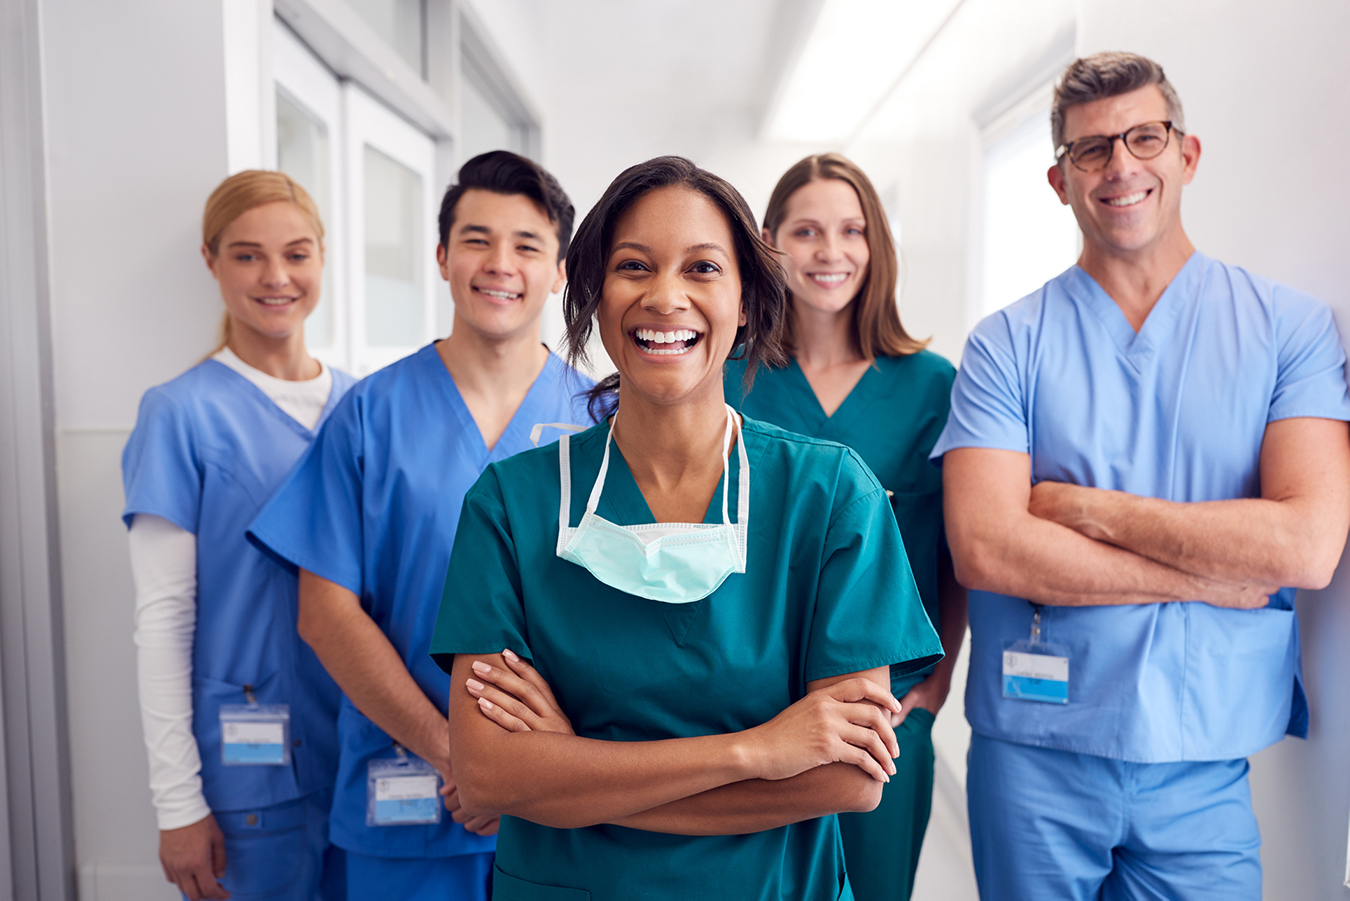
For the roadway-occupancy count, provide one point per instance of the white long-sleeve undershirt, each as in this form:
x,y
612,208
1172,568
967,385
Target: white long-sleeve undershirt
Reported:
x,y
164,569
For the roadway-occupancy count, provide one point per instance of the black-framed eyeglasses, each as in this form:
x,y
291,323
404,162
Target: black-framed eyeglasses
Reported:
x,y
1093,153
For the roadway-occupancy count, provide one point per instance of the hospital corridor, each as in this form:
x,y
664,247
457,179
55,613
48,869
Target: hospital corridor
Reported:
x,y
767,449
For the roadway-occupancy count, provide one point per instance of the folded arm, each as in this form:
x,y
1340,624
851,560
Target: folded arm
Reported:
x,y
716,784
1292,535
999,545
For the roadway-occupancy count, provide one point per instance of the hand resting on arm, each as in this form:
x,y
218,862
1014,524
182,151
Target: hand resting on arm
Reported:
x,y
998,544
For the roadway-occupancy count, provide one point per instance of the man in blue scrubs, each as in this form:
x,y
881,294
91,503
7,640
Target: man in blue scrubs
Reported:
x,y
1144,459
370,513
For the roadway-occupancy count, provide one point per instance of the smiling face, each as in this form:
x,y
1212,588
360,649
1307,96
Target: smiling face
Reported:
x,y
269,264
823,237
1130,205
671,300
501,263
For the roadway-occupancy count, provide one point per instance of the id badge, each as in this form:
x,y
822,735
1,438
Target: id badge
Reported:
x,y
1036,671
255,734
402,791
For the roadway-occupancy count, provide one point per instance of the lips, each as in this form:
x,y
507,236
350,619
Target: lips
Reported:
x,y
672,342
1124,200
829,279
498,294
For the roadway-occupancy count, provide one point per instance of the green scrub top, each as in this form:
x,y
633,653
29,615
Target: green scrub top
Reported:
x,y
827,590
892,418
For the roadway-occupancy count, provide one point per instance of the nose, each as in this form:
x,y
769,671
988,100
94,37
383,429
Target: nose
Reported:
x,y
499,260
1121,162
665,296
828,249
275,274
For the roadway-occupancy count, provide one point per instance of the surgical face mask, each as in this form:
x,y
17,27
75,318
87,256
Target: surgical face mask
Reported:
x,y
671,562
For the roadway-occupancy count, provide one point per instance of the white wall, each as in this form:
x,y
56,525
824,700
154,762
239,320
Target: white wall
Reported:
x,y
136,130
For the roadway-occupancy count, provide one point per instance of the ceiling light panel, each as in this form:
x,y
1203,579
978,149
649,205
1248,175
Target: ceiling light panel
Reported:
x,y
856,52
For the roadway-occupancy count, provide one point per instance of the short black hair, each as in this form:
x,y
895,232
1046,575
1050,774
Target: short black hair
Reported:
x,y
504,172
763,282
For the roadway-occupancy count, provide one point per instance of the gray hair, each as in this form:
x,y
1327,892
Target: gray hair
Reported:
x,y
1109,74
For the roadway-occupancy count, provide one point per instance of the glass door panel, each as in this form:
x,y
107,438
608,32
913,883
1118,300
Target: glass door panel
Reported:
x,y
390,182
393,243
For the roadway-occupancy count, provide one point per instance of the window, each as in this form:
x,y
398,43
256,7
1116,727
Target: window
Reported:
x,y
1029,237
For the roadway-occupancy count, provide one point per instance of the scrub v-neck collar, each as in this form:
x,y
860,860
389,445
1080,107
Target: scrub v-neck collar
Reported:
x,y
846,412
516,435
260,397
1136,347
621,499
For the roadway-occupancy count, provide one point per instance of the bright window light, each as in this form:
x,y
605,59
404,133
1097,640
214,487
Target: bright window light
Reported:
x,y
855,53
1029,236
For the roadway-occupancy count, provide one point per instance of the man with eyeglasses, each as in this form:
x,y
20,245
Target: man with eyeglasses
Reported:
x,y
1144,460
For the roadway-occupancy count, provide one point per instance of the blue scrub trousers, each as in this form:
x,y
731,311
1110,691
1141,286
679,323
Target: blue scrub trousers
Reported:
x,y
464,877
1076,827
281,852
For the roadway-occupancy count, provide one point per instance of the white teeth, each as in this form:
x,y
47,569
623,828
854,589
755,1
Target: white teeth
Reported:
x,y
1128,199
655,337
831,279
276,301
500,295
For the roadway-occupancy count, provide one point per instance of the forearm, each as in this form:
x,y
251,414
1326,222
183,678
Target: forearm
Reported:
x,y
1250,540
164,569
569,782
367,667
1051,564
757,804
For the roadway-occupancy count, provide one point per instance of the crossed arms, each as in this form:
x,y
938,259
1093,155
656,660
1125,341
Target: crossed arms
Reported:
x,y
1067,545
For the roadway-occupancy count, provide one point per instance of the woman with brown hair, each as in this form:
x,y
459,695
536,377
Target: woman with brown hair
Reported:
x,y
668,680
855,376
238,715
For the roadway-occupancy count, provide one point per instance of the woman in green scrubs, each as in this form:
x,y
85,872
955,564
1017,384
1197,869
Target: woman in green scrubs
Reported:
x,y
855,376
710,605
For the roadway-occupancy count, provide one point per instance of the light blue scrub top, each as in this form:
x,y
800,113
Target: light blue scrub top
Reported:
x,y
1178,412
374,508
207,451
826,591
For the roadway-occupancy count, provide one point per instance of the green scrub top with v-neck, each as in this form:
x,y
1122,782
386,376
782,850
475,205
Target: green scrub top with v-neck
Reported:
x,y
892,418
826,591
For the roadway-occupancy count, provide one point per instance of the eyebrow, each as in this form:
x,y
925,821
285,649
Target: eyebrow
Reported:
x,y
484,230
256,244
693,248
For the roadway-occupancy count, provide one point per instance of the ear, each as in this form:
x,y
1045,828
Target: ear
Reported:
x,y
744,319
443,262
210,262
560,277
1190,157
768,237
1055,175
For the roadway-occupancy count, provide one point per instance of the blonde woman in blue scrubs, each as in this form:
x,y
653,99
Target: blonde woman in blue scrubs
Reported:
x,y
710,604
855,376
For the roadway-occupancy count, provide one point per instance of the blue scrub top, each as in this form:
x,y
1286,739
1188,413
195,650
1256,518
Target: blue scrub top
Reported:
x,y
826,591
374,508
207,451
1177,411
892,418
